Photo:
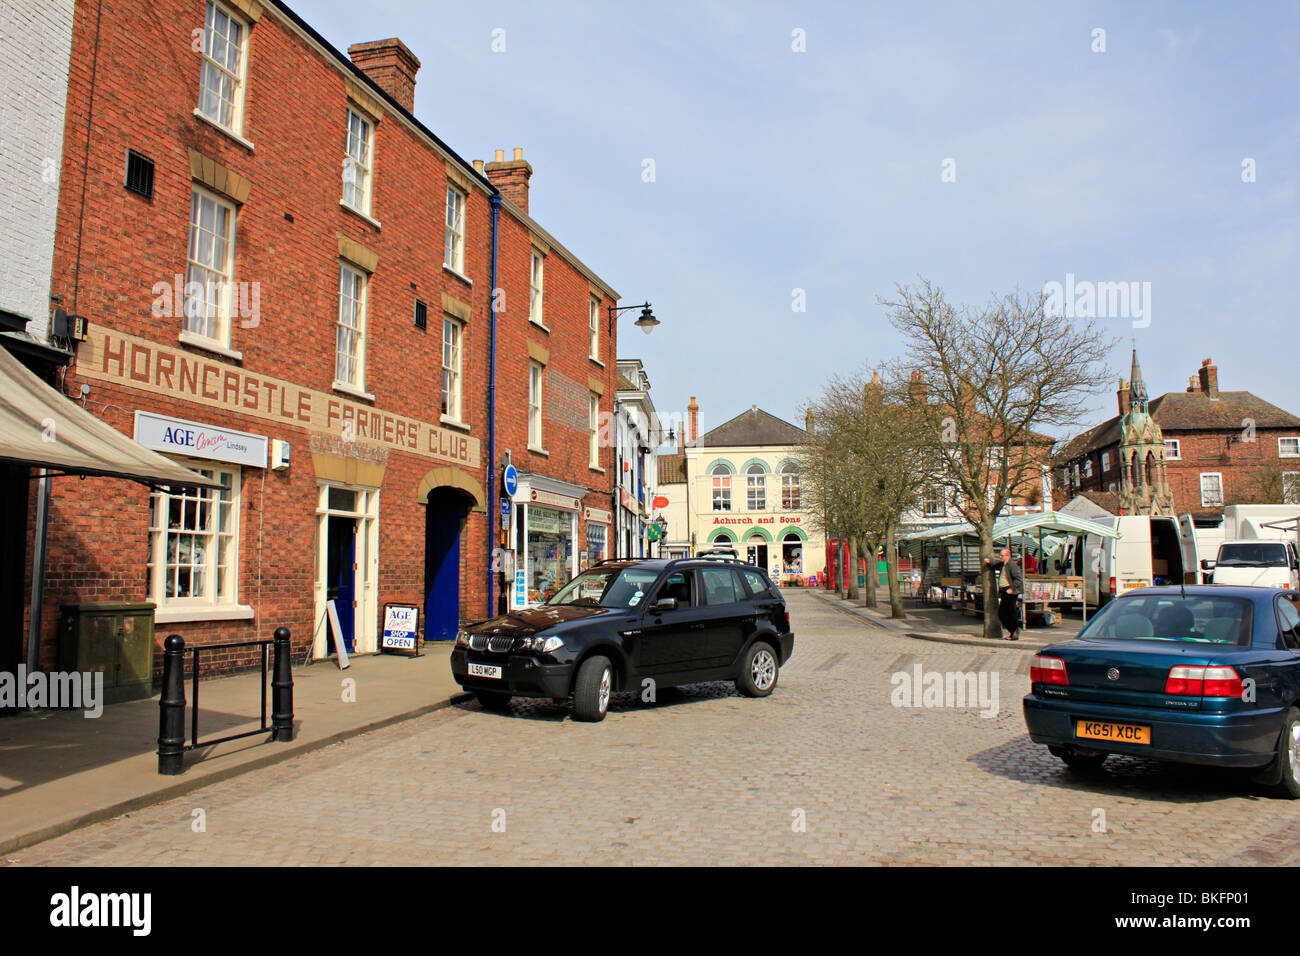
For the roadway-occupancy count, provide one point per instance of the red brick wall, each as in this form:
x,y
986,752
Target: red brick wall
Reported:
x,y
112,246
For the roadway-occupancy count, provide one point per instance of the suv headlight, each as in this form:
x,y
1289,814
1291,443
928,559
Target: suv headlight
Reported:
x,y
462,638
541,644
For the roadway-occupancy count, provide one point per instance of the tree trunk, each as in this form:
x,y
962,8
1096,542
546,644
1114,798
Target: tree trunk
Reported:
x,y
852,588
891,569
869,554
992,626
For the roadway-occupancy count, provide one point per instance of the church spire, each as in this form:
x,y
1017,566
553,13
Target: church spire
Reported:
x,y
1138,388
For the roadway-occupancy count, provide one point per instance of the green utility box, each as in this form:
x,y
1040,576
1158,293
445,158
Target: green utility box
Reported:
x,y
115,637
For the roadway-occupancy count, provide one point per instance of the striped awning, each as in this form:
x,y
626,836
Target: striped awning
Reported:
x,y
43,429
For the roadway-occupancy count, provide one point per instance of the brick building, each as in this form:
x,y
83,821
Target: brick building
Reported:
x,y
296,289
1212,446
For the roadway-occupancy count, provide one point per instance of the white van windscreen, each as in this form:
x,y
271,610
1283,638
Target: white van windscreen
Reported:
x,y
1262,554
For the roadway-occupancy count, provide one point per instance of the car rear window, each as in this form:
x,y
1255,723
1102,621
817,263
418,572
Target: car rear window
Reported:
x,y
1196,619
719,586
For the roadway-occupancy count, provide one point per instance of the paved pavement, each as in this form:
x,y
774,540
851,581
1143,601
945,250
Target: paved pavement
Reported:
x,y
826,770
60,770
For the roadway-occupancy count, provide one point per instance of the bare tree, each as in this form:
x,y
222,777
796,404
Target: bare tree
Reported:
x,y
1265,483
994,378
871,455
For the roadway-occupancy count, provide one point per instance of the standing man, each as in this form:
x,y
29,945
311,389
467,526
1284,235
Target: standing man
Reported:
x,y
1011,584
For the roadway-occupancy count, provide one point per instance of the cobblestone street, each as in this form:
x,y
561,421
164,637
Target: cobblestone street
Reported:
x,y
705,776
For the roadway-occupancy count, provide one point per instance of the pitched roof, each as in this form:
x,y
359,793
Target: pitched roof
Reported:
x,y
672,469
1185,412
753,427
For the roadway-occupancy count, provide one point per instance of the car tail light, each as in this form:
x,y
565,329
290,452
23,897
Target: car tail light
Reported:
x,y
1203,682
1112,585
1048,670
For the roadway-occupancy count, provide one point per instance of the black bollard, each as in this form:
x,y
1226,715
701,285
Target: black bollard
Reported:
x,y
171,708
282,688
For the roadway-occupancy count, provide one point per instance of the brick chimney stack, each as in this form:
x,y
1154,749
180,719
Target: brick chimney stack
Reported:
x,y
1125,398
391,65
808,421
1192,384
916,386
511,176
1208,374
693,415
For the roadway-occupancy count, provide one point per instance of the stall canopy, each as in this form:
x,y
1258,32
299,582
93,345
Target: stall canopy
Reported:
x,y
1015,526
43,429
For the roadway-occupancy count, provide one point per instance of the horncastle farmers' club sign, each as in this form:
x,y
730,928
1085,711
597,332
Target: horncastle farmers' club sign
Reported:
x,y
132,362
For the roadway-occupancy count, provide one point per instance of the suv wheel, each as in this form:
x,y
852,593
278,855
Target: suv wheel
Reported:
x,y
592,689
490,700
759,670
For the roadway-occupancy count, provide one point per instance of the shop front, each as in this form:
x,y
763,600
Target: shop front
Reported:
x,y
598,535
546,544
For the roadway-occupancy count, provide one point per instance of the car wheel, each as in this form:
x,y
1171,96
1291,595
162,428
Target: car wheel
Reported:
x,y
491,700
592,689
1079,759
759,670
1288,755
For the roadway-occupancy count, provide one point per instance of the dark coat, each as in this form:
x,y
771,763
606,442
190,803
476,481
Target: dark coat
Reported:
x,y
1017,576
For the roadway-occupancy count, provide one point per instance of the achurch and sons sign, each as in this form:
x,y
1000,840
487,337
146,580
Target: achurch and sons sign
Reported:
x,y
134,362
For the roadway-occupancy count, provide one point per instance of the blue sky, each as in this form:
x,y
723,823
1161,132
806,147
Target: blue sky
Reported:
x,y
821,170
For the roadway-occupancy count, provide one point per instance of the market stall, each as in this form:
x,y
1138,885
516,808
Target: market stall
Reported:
x,y
1046,536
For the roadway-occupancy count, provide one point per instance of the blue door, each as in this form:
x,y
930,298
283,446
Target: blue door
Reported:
x,y
342,576
443,519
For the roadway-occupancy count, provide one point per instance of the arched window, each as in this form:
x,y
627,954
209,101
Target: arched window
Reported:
x,y
1151,468
721,487
756,488
790,497
1135,472
792,553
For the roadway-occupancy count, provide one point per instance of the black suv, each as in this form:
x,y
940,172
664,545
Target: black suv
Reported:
x,y
627,622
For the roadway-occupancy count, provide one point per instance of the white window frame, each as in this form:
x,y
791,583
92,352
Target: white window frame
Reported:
x,y
791,490
229,111
593,425
358,162
221,583
721,488
1291,487
755,489
1288,454
1087,468
933,504
203,318
453,348
593,319
1177,453
537,288
453,249
1211,474
1105,462
536,395
346,330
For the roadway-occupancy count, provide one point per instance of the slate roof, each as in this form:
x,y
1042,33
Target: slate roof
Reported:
x,y
1178,412
672,469
753,427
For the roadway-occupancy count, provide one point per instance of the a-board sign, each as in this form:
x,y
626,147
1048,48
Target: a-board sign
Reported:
x,y
401,623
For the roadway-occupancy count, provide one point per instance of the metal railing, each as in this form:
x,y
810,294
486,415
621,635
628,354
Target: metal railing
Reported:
x,y
171,705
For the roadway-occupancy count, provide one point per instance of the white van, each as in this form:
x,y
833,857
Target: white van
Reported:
x,y
1259,562
1148,552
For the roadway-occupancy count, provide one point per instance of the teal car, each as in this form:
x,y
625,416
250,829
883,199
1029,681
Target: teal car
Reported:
x,y
1200,675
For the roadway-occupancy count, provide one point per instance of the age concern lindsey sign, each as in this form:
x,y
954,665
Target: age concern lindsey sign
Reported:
x,y
110,356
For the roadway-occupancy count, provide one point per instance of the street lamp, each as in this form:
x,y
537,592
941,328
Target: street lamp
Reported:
x,y
646,321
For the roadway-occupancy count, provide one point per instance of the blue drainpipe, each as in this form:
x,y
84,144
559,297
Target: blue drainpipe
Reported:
x,y
492,415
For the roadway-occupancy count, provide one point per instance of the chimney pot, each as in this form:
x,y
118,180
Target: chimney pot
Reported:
x,y
511,176
478,165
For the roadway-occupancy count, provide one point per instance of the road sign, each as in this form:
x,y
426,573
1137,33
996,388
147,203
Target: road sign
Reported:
x,y
510,481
